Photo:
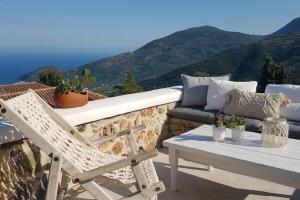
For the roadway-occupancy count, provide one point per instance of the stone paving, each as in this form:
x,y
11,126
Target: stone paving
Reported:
x,y
196,183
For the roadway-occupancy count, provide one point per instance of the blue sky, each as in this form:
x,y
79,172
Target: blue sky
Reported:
x,y
125,25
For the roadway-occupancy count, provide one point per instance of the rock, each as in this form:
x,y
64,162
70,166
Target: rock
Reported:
x,y
81,128
147,111
118,148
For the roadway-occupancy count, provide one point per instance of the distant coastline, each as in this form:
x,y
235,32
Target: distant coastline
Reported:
x,y
14,65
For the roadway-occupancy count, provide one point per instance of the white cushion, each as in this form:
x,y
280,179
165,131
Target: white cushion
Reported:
x,y
218,90
291,111
291,91
195,89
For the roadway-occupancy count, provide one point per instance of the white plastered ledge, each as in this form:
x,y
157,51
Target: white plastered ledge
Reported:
x,y
109,107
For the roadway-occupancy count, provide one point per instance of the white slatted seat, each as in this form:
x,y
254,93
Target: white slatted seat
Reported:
x,y
79,157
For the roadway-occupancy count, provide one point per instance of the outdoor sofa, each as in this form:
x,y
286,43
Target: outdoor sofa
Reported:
x,y
196,91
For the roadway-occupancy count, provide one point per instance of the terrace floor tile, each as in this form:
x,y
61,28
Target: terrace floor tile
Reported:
x,y
196,183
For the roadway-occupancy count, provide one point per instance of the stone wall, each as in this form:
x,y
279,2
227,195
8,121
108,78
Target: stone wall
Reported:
x,y
154,118
20,171
178,126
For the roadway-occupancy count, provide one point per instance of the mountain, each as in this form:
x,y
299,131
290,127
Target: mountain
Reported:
x,y
163,55
243,63
292,27
202,50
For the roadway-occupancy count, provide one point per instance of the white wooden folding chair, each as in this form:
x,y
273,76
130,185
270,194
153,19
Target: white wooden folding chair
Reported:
x,y
76,155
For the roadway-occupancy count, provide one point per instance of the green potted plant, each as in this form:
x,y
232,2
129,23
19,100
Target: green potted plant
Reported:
x,y
218,127
237,126
72,93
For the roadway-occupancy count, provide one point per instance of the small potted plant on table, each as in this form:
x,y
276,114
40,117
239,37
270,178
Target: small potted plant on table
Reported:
x,y
72,93
237,126
219,128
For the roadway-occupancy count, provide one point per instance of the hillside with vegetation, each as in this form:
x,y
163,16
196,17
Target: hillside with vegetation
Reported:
x,y
163,55
203,51
158,56
243,63
292,27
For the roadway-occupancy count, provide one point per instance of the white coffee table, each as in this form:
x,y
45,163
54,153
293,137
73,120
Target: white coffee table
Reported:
x,y
279,165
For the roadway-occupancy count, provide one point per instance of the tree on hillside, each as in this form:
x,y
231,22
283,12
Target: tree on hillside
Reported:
x,y
130,86
117,90
272,73
49,77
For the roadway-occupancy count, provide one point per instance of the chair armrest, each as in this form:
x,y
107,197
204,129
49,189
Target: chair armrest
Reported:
x,y
119,134
130,160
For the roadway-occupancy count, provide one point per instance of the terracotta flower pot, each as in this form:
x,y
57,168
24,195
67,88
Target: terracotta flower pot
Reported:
x,y
70,99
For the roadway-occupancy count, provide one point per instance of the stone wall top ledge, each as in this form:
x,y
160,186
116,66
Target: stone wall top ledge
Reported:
x,y
109,107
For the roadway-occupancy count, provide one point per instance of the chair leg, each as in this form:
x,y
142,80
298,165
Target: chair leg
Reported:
x,y
140,173
149,193
54,176
154,176
137,169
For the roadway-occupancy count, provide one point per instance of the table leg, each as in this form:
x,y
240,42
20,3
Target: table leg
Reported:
x,y
173,157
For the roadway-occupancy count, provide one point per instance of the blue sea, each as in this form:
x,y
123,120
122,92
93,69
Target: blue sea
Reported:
x,y
14,65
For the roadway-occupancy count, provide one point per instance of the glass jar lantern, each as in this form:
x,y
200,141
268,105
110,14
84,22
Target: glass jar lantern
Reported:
x,y
275,132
